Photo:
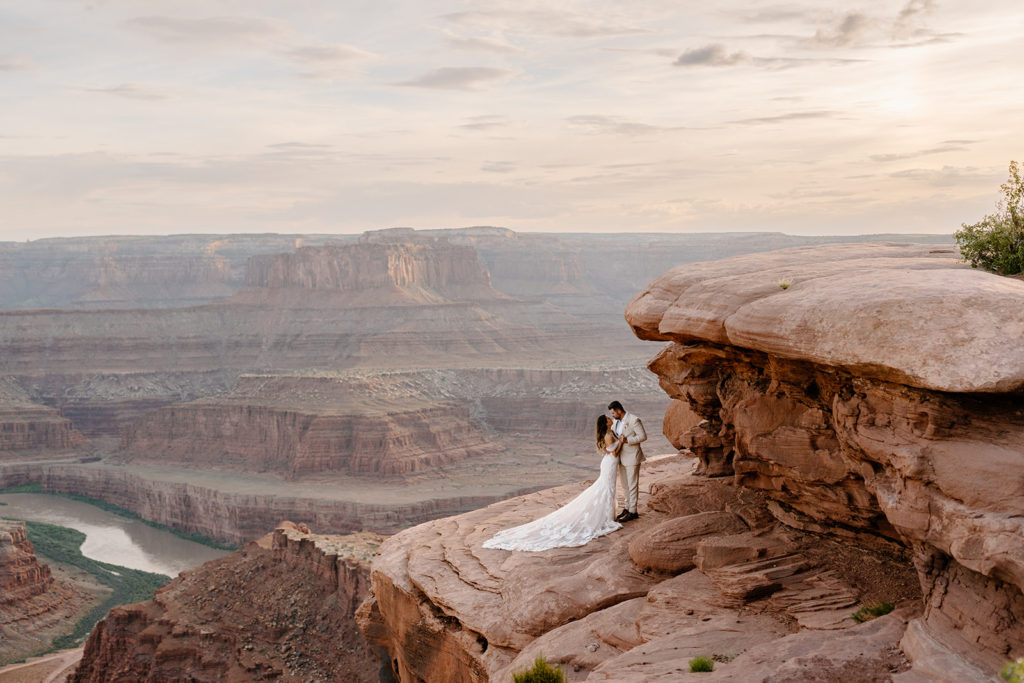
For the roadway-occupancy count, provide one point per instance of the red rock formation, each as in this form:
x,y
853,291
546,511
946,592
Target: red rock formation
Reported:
x,y
860,449
21,575
308,425
28,426
278,609
428,271
235,516
34,606
444,608
860,410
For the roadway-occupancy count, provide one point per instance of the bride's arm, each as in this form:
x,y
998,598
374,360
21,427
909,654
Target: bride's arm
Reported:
x,y
610,439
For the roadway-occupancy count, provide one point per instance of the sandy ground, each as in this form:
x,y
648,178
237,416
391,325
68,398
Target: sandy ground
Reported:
x,y
50,668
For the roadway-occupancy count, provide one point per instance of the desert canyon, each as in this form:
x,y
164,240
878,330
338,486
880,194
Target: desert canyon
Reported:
x,y
841,427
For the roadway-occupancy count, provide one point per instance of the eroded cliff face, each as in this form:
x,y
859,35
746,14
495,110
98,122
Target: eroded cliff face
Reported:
x,y
231,516
28,426
34,605
278,609
858,437
878,395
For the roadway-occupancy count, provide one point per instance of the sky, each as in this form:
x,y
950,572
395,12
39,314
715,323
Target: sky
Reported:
x,y
220,116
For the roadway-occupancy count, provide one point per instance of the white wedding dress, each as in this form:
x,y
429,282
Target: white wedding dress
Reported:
x,y
584,518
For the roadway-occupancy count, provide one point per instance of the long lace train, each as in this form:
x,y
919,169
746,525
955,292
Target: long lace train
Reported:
x,y
584,518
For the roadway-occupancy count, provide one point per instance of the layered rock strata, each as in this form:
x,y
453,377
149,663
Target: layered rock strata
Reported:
x,y
876,395
853,411
34,605
278,609
706,570
298,425
234,516
28,426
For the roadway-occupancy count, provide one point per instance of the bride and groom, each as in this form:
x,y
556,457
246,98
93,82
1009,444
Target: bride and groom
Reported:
x,y
589,514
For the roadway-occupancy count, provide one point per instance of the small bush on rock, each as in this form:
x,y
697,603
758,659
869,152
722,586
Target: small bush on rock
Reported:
x,y
541,672
996,242
1014,671
869,612
698,664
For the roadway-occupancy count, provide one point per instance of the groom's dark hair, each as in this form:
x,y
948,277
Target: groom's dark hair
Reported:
x,y
615,405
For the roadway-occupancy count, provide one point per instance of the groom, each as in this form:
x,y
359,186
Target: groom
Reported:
x,y
631,432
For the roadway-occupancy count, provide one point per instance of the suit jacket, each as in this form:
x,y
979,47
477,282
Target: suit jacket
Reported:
x,y
633,430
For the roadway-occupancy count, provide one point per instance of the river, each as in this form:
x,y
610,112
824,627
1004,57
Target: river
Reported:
x,y
109,538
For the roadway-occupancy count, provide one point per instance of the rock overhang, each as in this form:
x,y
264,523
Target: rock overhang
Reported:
x,y
906,313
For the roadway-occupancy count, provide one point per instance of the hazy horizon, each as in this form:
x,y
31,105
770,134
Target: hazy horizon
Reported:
x,y
232,116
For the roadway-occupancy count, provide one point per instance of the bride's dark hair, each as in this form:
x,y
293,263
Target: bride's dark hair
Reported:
x,y
602,428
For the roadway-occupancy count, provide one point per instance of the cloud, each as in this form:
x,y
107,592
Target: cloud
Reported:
x,y
791,116
711,55
485,122
498,167
489,45
131,91
326,55
882,158
458,78
597,124
15,63
542,22
852,28
215,31
906,29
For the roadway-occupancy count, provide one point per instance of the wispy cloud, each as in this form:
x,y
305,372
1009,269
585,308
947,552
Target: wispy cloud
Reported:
x,y
791,116
498,167
131,91
326,55
717,55
214,31
860,29
599,124
459,78
902,156
478,44
711,55
15,63
485,122
542,22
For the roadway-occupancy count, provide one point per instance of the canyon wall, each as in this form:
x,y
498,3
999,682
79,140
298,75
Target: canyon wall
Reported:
x,y
278,609
227,514
28,426
854,416
297,425
133,271
877,394
35,606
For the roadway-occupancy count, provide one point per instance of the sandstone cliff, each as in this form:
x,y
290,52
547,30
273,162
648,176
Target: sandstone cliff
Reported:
x,y
28,426
854,412
278,609
34,606
299,425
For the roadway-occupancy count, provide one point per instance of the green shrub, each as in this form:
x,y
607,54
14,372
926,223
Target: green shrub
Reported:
x,y
698,664
542,672
1014,671
869,612
996,242
61,544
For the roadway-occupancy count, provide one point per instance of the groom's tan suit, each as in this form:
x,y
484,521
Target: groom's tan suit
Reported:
x,y
630,457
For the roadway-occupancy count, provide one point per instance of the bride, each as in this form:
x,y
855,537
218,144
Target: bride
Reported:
x,y
582,519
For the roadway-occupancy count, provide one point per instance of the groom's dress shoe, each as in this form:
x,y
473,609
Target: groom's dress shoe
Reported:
x,y
622,516
629,517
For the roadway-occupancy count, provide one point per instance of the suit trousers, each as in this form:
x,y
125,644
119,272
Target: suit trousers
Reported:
x,y
629,477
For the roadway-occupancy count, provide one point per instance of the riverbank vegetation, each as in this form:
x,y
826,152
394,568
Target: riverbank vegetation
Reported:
x,y
63,545
121,512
